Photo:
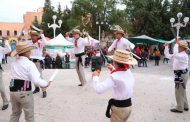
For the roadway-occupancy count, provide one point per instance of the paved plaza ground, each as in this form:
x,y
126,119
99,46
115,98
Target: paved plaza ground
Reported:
x,y
66,102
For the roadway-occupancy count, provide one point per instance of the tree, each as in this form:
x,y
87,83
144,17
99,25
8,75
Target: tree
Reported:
x,y
101,10
152,17
47,18
35,22
149,17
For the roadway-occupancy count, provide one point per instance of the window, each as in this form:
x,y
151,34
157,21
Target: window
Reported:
x,y
8,33
15,33
0,32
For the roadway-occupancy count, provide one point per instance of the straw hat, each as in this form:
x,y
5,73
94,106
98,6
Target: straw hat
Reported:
x,y
33,32
77,31
183,44
120,31
22,47
124,57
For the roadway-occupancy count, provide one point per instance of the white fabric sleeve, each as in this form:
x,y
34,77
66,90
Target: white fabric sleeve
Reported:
x,y
101,87
43,39
129,44
35,76
132,46
112,46
7,48
86,41
175,49
180,58
167,54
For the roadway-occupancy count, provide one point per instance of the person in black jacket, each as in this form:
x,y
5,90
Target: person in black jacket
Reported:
x,y
144,57
58,62
67,60
53,63
48,61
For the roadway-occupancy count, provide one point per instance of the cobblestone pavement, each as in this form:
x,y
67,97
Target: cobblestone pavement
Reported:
x,y
66,102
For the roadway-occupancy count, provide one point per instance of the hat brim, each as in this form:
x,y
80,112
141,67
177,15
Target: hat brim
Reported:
x,y
15,53
132,61
184,47
34,33
77,33
119,33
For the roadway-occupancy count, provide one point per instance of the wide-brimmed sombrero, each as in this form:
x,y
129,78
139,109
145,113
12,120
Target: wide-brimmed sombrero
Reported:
x,y
77,31
183,44
22,47
120,31
33,32
124,57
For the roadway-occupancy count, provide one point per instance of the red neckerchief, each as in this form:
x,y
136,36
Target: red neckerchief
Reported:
x,y
120,69
37,43
117,43
76,42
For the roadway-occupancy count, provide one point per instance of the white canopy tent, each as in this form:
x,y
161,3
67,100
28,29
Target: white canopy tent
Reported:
x,y
59,45
60,41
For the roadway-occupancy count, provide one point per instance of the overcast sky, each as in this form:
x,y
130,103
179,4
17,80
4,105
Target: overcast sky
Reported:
x,y
13,10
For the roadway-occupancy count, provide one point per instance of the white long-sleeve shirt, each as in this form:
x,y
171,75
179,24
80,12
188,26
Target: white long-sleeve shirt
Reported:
x,y
122,44
24,69
38,52
121,83
180,60
4,50
81,43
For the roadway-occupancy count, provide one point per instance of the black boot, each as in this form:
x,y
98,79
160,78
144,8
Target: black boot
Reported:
x,y
44,94
5,107
37,89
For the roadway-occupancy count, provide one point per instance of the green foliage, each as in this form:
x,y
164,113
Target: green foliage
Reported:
x,y
149,17
47,18
35,22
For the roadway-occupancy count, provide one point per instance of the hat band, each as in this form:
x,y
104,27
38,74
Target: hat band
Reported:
x,y
124,58
21,49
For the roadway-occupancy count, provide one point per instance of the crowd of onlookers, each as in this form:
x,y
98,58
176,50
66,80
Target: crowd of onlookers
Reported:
x,y
146,53
58,62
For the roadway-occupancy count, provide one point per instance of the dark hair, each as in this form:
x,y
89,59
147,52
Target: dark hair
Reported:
x,y
22,54
120,65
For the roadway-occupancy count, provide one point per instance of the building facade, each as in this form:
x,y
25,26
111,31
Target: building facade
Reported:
x,y
11,30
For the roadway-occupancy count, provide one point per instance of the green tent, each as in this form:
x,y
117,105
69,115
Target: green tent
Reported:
x,y
60,47
144,39
165,41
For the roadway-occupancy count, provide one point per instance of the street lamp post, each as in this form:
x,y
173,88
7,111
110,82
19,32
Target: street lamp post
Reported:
x,y
54,26
178,25
99,28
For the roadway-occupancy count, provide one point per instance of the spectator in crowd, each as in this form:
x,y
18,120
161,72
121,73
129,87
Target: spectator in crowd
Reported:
x,y
87,60
53,63
138,53
157,57
67,60
165,59
144,57
58,62
149,53
48,61
103,56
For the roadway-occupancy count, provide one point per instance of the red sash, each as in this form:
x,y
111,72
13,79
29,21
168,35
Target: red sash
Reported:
x,y
76,42
121,69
